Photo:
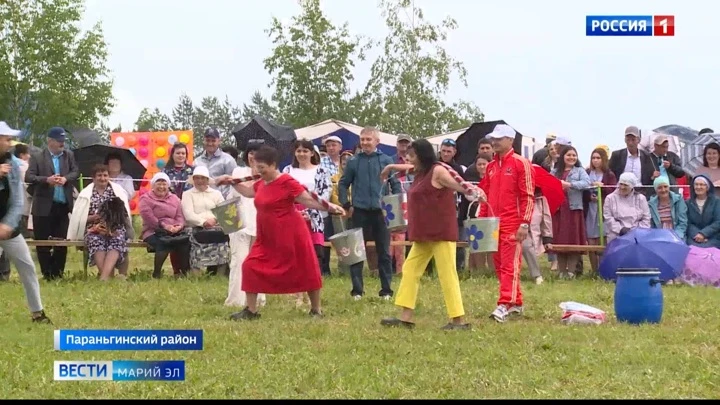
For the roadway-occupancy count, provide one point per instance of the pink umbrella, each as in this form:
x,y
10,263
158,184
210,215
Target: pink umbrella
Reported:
x,y
702,267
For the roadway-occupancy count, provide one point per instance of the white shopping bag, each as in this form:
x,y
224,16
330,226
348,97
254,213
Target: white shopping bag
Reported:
x,y
576,313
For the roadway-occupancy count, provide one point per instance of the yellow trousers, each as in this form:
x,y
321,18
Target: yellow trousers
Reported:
x,y
414,267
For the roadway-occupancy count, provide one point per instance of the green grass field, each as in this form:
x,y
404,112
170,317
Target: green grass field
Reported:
x,y
348,355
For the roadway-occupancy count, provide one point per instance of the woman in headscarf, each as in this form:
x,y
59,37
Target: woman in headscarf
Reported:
x,y
668,209
703,214
625,208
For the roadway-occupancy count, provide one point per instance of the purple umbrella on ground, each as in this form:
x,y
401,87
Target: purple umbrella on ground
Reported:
x,y
702,267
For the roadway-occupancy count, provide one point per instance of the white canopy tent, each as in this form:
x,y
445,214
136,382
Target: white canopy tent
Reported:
x,y
349,133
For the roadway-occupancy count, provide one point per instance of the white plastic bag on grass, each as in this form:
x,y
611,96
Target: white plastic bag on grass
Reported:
x,y
576,313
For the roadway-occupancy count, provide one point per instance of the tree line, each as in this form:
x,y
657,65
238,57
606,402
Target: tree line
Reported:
x,y
51,74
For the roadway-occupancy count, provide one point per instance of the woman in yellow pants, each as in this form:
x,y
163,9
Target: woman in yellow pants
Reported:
x,y
433,229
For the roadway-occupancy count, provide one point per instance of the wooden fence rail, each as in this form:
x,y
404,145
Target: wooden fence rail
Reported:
x,y
141,244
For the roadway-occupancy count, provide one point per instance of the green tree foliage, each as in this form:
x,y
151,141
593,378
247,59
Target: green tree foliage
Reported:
x,y
51,73
311,64
412,75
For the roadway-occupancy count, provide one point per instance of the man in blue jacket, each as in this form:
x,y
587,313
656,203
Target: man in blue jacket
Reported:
x,y
363,175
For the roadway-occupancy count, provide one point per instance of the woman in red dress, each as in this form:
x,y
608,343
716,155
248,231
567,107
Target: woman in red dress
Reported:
x,y
282,260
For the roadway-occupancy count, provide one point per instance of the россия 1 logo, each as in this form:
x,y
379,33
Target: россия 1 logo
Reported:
x,y
630,26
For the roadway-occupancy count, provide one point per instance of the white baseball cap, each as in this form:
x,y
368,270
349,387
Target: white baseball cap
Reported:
x,y
7,131
502,131
563,141
333,138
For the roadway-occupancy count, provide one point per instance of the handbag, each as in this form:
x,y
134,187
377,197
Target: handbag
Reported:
x,y
210,236
168,239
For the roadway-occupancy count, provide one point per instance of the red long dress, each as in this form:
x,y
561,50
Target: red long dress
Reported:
x,y
282,260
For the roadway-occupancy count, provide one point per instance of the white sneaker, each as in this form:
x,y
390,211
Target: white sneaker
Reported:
x,y
387,298
357,297
499,314
515,309
539,280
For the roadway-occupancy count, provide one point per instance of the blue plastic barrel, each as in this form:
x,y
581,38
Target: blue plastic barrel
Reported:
x,y
638,296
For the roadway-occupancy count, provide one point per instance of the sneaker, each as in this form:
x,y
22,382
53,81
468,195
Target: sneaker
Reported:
x,y
245,315
394,322
42,318
539,280
515,309
499,314
457,326
357,297
387,297
316,314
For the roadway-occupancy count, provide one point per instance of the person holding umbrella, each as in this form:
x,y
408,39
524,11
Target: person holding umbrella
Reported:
x,y
11,239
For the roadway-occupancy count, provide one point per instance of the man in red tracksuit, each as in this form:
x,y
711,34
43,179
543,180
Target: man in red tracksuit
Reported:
x,y
510,188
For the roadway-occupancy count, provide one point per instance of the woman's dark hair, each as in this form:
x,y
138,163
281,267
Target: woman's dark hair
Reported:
x,y
20,149
113,156
305,144
251,147
113,213
232,151
99,169
560,164
171,161
711,145
268,155
604,166
425,153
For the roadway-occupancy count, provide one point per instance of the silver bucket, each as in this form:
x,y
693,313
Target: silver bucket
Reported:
x,y
349,246
394,209
229,215
482,234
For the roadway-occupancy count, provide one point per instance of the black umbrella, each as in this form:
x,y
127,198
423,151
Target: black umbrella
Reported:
x,y
91,155
684,133
468,140
83,137
278,136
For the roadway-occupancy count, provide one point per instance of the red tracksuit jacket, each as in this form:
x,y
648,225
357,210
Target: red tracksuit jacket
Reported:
x,y
510,187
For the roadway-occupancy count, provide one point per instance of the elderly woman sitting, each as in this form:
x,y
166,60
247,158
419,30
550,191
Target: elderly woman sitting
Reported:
x,y
703,214
668,209
163,225
101,216
208,243
625,208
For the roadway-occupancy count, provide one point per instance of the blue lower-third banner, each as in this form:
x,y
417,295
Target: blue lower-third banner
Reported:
x,y
136,340
120,370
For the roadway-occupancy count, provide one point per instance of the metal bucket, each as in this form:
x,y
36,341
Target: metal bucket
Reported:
x,y
394,209
482,234
229,216
349,246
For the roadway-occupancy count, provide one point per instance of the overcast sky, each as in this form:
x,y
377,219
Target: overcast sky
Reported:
x,y
529,62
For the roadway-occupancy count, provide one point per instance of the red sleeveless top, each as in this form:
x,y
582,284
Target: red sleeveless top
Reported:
x,y
431,211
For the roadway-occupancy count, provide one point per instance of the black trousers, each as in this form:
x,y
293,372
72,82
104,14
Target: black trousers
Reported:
x,y
52,259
